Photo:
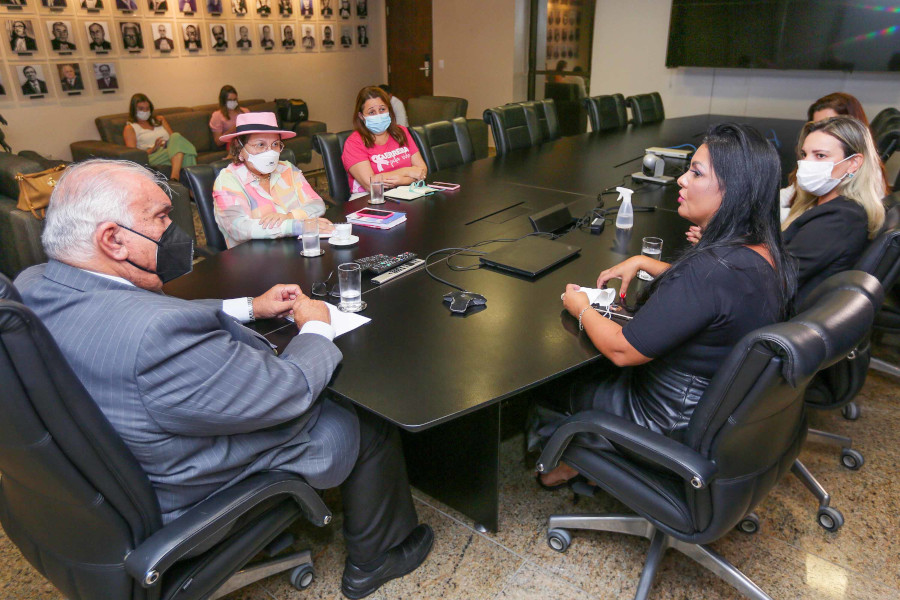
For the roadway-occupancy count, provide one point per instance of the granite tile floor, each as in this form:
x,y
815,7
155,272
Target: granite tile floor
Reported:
x,y
790,557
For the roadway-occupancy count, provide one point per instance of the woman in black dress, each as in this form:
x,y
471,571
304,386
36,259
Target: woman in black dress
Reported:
x,y
736,279
837,205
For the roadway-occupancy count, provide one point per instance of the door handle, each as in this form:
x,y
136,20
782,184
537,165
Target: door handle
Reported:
x,y
426,68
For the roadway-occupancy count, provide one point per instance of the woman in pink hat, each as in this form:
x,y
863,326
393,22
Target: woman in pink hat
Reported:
x,y
258,195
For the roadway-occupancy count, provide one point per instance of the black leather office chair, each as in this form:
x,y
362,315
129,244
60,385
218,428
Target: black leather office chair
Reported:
x,y
79,507
744,435
607,113
200,179
444,144
887,141
514,126
645,108
877,124
331,147
547,118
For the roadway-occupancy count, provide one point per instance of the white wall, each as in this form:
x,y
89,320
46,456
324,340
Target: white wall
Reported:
x,y
327,81
629,56
483,45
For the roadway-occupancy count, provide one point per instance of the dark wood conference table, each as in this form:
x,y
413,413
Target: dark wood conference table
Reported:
x,y
443,376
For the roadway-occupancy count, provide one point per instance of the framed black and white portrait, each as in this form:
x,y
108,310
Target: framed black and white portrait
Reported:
x,y
327,38
362,8
307,9
51,4
190,34
214,7
266,37
98,36
70,80
126,5
344,11
346,36
326,10
163,38
239,7
286,8
243,41
20,33
32,80
188,7
263,8
288,39
362,36
308,40
132,36
92,5
62,36
158,6
15,4
218,35
106,76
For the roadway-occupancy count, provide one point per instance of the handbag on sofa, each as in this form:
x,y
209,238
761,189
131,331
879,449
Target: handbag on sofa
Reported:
x,y
293,110
35,189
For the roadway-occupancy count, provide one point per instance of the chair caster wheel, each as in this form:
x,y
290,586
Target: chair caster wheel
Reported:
x,y
749,524
851,459
850,411
302,577
559,539
830,519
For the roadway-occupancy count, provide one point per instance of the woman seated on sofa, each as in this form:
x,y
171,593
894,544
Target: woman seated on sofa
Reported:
x,y
379,146
258,195
837,207
736,279
224,120
152,134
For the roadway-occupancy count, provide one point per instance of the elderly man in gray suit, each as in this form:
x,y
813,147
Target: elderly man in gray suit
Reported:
x,y
201,400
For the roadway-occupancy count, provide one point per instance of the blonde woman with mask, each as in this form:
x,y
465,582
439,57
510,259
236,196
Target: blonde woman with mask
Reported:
x,y
838,204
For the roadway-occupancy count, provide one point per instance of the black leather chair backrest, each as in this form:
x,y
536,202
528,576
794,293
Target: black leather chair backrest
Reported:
x,y
751,419
839,384
645,108
74,499
7,290
331,147
607,113
514,126
877,124
200,180
547,118
444,144
657,103
887,141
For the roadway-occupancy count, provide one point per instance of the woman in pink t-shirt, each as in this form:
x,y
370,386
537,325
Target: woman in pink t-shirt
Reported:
x,y
223,120
380,146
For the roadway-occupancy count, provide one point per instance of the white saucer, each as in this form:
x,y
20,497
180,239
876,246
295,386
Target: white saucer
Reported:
x,y
349,241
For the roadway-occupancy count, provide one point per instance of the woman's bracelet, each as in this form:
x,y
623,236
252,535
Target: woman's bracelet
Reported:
x,y
581,314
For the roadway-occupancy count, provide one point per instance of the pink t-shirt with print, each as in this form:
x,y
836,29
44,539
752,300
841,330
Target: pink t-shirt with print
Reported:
x,y
384,158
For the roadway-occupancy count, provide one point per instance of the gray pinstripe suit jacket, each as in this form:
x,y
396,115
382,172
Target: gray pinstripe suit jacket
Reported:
x,y
201,400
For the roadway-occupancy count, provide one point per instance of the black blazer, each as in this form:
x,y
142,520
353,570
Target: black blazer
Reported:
x,y
825,240
30,44
29,91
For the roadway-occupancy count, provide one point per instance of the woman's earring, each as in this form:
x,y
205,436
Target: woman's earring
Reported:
x,y
849,175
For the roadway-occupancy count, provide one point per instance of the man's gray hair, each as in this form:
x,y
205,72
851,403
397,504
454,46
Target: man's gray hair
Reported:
x,y
90,193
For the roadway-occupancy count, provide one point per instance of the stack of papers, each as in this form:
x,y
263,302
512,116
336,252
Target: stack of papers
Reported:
x,y
409,192
393,220
341,321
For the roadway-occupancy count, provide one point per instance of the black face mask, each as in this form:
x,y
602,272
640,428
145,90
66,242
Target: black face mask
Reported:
x,y
174,253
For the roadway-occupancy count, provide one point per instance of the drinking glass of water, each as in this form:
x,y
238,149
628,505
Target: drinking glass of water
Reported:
x,y
350,284
376,190
310,237
652,247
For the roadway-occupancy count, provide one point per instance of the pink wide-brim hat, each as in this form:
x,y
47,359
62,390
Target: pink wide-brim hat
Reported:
x,y
257,122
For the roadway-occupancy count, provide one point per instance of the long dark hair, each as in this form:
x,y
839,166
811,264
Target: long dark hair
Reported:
x,y
748,172
223,98
132,109
359,123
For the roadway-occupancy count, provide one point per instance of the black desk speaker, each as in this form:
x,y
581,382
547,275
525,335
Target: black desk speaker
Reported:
x,y
552,219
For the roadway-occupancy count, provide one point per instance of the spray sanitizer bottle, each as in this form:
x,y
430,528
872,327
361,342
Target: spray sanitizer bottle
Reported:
x,y
625,218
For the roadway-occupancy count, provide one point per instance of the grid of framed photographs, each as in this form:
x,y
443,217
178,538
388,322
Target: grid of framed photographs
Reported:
x,y
73,48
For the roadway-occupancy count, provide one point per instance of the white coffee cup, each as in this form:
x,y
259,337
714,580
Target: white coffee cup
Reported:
x,y
342,231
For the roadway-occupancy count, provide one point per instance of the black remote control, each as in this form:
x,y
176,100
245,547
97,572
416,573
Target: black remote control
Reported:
x,y
381,263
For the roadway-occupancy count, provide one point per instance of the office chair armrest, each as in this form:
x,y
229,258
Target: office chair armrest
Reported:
x,y
652,446
216,515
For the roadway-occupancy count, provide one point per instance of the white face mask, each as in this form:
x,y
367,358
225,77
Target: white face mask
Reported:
x,y
143,115
231,104
815,176
264,162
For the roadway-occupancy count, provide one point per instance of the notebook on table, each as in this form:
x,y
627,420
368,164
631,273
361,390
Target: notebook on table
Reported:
x,y
529,256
